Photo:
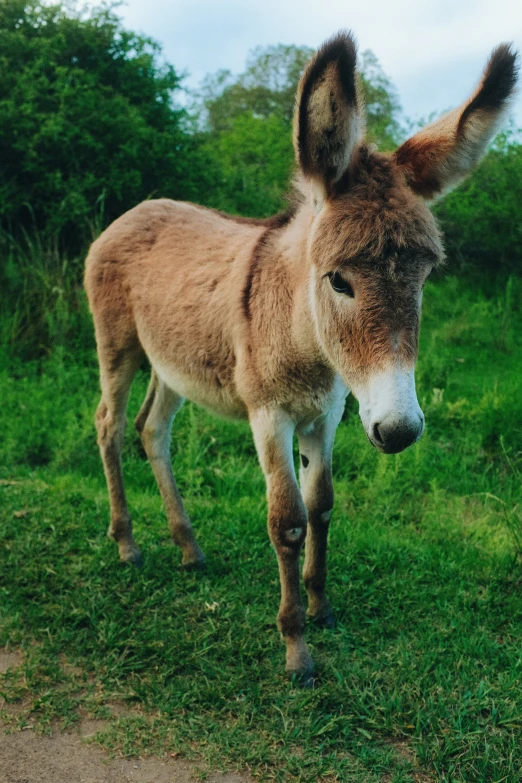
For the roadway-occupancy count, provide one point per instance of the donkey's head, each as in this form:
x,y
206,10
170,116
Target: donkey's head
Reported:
x,y
373,240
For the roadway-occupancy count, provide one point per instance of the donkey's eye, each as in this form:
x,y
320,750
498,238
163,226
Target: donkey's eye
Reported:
x,y
340,285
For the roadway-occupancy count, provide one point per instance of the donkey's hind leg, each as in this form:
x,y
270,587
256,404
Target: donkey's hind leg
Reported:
x,y
116,375
154,422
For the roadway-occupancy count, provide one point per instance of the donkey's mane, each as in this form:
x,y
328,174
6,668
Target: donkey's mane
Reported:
x,y
279,220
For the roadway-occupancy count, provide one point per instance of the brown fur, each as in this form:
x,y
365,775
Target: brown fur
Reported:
x,y
241,316
441,154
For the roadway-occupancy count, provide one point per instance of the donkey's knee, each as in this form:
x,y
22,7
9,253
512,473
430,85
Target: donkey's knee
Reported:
x,y
288,530
321,512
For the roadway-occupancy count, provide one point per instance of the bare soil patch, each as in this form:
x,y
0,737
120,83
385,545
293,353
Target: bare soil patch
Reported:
x,y
27,757
9,660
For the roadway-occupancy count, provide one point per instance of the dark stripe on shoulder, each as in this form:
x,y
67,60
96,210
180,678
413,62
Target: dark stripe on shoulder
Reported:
x,y
257,253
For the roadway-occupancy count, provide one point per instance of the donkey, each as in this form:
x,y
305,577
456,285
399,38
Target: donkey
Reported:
x,y
276,320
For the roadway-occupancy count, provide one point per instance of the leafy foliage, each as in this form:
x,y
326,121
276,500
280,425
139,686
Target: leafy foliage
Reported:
x,y
247,122
266,88
86,119
248,125
382,104
253,164
481,219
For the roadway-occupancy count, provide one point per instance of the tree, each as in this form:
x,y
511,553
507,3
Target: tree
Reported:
x,y
382,104
268,87
248,120
252,165
481,218
86,118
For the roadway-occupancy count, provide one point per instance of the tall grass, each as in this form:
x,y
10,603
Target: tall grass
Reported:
x,y
420,681
42,302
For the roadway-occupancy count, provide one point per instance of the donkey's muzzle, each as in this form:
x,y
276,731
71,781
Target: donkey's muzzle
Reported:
x,y
391,435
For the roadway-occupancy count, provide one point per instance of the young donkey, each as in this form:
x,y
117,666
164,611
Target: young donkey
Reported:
x,y
275,320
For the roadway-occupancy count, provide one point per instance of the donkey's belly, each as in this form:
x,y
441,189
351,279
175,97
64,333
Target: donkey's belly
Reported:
x,y
204,389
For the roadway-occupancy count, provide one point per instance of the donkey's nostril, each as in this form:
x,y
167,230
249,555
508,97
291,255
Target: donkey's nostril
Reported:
x,y
377,434
392,435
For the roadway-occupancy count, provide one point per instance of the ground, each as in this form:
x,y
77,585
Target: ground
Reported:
x,y
418,683
61,757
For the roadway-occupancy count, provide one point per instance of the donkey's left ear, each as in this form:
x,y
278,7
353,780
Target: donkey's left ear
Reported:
x,y
328,118
443,153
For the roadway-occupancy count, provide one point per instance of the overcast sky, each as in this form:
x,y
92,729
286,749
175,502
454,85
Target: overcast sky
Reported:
x,y
432,50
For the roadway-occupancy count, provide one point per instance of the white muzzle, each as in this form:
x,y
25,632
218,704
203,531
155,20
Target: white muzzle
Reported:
x,y
389,410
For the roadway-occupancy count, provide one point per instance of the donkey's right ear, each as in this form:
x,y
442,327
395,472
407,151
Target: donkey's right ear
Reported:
x,y
328,118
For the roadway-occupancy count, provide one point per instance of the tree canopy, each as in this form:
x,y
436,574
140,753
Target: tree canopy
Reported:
x,y
247,122
86,116
89,127
481,219
383,109
268,87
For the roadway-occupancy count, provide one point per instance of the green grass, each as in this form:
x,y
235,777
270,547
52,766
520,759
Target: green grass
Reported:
x,y
421,680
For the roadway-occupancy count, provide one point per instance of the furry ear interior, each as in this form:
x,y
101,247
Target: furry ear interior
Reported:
x,y
443,153
328,120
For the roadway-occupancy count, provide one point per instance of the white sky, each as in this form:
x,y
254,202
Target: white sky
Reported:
x,y
432,50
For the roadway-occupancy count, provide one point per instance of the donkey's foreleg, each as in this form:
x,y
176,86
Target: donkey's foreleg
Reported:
x,y
287,520
154,422
315,447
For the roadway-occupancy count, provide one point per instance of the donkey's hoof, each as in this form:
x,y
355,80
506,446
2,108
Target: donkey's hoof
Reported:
x,y
299,663
132,556
193,558
194,565
325,619
302,679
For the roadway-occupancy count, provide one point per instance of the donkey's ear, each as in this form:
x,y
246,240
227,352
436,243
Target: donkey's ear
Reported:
x,y
328,116
443,153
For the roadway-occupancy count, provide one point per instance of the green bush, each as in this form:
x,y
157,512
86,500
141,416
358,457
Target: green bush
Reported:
x,y
87,123
481,219
254,161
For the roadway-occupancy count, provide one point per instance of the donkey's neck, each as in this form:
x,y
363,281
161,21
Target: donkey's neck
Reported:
x,y
288,275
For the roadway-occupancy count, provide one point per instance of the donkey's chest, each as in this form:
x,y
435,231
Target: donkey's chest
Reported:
x,y
313,403
231,389
304,388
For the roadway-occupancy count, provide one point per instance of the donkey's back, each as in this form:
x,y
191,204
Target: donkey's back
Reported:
x,y
165,280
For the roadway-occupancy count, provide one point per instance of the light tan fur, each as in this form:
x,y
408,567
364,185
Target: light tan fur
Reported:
x,y
440,155
246,318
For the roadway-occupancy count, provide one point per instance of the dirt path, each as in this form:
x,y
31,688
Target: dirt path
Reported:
x,y
26,757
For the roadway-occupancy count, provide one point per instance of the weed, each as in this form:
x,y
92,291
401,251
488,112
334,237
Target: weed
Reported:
x,y
420,680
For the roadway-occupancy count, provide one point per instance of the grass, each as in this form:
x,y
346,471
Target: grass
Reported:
x,y
421,680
